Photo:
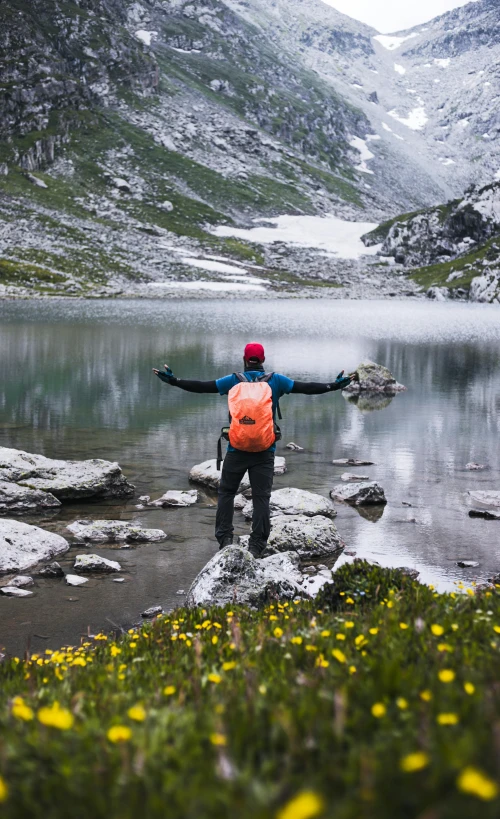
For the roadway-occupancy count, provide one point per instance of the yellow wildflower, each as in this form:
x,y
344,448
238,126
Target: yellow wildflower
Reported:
x,y
132,645
403,626
79,661
476,783
228,666
414,762
119,733
447,719
169,690
218,739
390,604
469,688
446,675
325,633
379,710
278,632
20,710
454,626
437,630
339,655
306,805
56,717
214,678
215,640
444,647
349,624
137,713
497,629
297,641
340,636
321,662
311,648
273,617
402,703
350,601
470,592
352,669
262,689
426,695
4,791
373,631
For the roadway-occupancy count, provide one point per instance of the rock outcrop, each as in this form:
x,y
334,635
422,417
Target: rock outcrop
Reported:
x,y
23,546
113,531
66,480
21,500
96,563
234,576
309,537
359,494
486,289
374,378
292,501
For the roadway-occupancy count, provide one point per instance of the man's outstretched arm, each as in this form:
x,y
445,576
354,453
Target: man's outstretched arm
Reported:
x,y
319,388
190,385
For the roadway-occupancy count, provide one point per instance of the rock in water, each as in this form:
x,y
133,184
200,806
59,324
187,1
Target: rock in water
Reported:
x,y
467,564
279,465
20,499
374,378
351,462
295,447
487,498
350,477
479,513
207,474
291,501
95,563
152,611
51,570
13,591
21,580
76,580
112,531
486,289
174,497
472,467
234,576
22,545
308,537
438,293
359,494
240,501
64,479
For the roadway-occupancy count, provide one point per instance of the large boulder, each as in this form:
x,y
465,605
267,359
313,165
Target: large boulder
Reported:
x,y
207,473
23,546
21,500
175,497
96,563
292,501
489,497
233,576
66,480
374,378
486,289
308,537
359,494
112,531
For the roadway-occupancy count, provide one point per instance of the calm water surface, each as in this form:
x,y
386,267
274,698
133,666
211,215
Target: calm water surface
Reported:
x,y
77,383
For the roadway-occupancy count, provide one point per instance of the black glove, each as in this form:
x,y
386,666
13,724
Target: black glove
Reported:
x,y
341,382
167,376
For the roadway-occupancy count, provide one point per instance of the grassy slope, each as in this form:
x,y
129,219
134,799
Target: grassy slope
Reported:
x,y
240,712
437,274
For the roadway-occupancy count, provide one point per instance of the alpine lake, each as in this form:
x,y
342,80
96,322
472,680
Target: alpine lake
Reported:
x,y
77,383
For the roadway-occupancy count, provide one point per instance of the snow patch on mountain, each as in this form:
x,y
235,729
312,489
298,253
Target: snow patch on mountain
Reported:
x,y
365,153
392,42
399,69
146,36
416,119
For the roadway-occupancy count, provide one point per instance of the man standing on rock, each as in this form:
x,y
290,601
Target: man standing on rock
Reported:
x,y
253,398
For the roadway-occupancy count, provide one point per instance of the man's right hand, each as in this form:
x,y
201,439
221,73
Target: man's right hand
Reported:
x,y
167,375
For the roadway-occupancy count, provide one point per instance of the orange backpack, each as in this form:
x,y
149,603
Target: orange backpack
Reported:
x,y
251,423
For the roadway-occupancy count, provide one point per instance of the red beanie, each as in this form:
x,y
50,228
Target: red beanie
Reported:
x,y
254,351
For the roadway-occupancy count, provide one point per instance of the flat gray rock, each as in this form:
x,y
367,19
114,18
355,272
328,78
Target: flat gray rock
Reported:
x,y
292,501
23,546
351,462
309,537
95,563
359,494
152,611
21,580
292,445
468,564
13,591
51,570
234,576
76,580
175,497
351,477
486,498
374,378
113,531
473,467
66,480
21,500
207,474
484,514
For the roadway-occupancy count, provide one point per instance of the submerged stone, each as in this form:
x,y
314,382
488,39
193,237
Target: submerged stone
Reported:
x,y
292,501
21,500
359,494
112,531
374,378
175,497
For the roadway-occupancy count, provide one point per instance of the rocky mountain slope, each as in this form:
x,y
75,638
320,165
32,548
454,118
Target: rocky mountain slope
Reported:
x,y
130,129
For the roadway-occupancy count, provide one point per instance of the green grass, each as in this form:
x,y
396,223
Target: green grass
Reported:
x,y
336,708
380,233
437,274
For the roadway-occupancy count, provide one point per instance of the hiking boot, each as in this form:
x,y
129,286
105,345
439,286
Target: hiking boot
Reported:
x,y
256,547
227,541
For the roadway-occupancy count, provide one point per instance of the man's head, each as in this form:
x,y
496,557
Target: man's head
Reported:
x,y
254,354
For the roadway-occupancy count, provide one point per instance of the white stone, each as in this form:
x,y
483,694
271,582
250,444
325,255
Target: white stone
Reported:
x,y
166,206
486,497
175,497
309,537
207,474
23,546
96,563
359,494
64,479
76,580
21,580
112,531
20,499
350,477
13,591
279,465
294,446
486,289
240,501
292,501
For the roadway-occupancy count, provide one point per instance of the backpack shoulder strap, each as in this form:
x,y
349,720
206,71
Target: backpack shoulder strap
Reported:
x,y
265,378
241,377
